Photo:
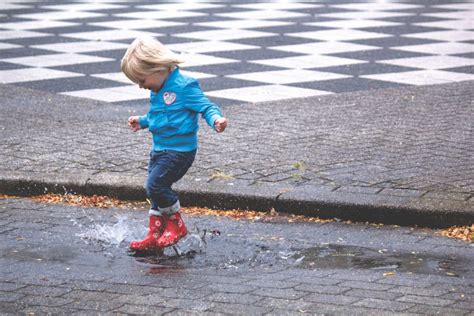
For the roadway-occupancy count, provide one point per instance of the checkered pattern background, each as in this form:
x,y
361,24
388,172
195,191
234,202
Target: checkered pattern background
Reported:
x,y
240,52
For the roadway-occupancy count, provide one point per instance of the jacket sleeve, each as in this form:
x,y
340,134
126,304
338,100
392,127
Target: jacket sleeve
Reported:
x,y
143,121
196,101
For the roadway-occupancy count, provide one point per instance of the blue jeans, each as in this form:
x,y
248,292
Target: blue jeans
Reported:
x,y
165,168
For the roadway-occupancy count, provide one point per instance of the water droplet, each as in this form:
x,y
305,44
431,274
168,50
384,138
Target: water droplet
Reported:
x,y
113,234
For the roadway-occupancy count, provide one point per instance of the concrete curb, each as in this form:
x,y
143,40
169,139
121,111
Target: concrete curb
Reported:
x,y
303,200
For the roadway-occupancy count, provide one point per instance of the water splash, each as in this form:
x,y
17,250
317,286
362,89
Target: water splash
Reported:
x,y
193,242
111,234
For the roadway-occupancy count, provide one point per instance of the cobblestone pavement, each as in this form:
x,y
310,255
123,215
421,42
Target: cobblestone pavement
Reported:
x,y
61,259
343,155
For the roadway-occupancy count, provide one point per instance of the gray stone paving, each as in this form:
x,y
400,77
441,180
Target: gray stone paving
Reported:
x,y
61,259
393,156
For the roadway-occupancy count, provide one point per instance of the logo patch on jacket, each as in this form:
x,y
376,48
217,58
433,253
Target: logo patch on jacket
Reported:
x,y
169,97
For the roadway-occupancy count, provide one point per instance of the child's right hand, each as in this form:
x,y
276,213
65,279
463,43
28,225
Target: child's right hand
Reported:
x,y
134,123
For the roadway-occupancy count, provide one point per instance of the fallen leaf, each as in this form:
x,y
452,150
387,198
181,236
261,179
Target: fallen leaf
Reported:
x,y
465,233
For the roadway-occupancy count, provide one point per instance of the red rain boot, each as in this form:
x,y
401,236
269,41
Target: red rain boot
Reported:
x,y
174,231
156,226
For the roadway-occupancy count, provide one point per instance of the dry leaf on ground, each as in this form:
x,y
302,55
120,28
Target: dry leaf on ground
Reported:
x,y
465,233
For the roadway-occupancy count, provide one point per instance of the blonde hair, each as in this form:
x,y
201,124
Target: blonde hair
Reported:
x,y
146,56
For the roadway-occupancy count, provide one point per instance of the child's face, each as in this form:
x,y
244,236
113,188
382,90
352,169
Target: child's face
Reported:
x,y
154,81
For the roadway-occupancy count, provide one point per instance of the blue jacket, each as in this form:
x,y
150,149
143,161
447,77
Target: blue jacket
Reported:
x,y
174,113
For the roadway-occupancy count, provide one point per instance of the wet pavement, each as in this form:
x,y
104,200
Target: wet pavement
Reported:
x,y
64,259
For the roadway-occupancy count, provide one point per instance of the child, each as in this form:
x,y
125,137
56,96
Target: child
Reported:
x,y
175,102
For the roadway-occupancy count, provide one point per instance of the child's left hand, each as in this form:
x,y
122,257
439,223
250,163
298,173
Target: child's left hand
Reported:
x,y
220,124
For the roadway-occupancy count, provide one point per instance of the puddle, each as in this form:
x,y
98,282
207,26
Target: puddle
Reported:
x,y
61,254
194,251
167,270
243,256
208,248
353,257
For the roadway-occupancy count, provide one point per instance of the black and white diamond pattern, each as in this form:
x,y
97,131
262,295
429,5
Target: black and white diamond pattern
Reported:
x,y
240,52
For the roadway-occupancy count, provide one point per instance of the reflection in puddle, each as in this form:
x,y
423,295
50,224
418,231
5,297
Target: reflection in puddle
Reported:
x,y
167,270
